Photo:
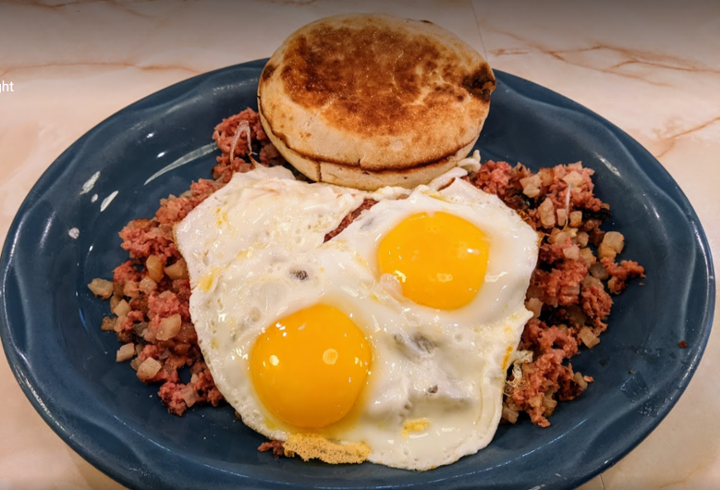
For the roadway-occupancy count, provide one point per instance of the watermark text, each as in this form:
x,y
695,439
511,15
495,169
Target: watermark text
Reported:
x,y
6,86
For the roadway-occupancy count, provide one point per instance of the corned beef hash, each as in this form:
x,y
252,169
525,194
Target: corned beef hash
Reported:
x,y
397,325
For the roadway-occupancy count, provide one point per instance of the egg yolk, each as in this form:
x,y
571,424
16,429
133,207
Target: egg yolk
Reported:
x,y
440,259
310,367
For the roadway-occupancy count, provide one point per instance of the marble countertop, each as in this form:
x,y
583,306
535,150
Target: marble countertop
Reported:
x,y
653,69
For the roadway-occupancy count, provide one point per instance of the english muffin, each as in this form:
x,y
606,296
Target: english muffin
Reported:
x,y
368,100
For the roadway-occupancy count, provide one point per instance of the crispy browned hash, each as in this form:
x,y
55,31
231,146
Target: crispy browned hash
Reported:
x,y
569,295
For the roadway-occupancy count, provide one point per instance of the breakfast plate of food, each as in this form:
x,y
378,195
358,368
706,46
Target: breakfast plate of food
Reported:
x,y
356,264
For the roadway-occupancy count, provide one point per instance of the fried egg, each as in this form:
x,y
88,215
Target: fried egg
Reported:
x,y
391,340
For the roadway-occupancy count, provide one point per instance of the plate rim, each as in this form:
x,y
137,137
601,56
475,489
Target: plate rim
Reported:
x,y
24,375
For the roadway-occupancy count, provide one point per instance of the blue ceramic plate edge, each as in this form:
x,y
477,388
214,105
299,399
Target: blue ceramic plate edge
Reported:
x,y
20,370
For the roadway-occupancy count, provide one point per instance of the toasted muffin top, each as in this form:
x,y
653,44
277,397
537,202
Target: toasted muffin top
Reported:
x,y
375,92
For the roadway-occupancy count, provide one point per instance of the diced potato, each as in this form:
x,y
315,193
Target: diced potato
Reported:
x,y
114,301
131,289
534,305
108,324
101,287
572,253
590,281
587,256
598,271
532,180
614,240
573,178
549,403
553,237
509,414
531,185
588,337
147,285
155,268
148,369
135,363
575,218
169,327
582,238
149,334
578,378
531,191
126,352
559,236
605,252
122,308
612,244
547,213
561,217
189,395
119,323
546,176
178,270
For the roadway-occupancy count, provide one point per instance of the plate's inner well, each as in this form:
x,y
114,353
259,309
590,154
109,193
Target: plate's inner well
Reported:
x,y
66,234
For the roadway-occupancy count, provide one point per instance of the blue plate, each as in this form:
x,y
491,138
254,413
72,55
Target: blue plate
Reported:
x,y
65,234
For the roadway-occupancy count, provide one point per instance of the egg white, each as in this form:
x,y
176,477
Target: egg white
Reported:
x,y
255,253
